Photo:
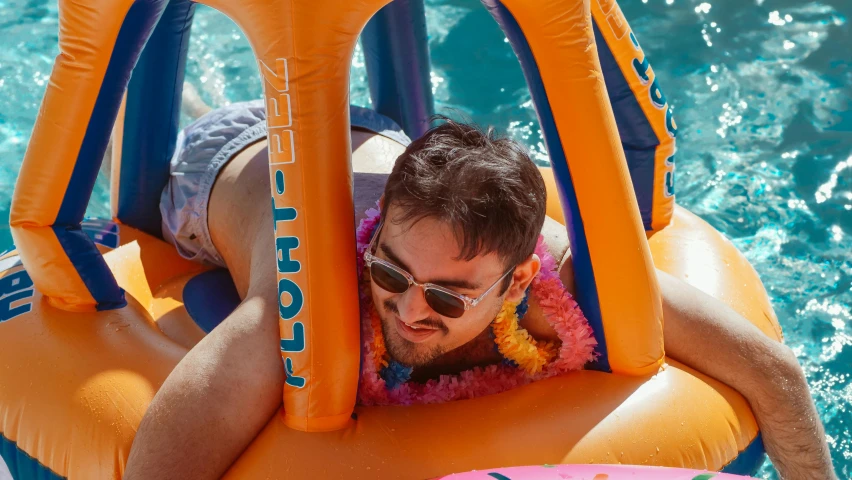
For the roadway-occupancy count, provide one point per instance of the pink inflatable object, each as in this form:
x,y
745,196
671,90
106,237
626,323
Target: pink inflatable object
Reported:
x,y
590,472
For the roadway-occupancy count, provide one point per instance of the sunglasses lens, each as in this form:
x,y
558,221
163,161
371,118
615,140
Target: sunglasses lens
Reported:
x,y
444,304
388,278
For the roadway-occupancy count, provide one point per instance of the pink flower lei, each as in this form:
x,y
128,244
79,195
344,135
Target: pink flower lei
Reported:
x,y
558,306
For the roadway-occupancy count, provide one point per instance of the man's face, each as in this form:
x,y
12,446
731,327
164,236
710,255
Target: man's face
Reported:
x,y
428,250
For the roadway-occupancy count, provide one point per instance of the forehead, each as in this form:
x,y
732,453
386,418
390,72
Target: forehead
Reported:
x,y
429,249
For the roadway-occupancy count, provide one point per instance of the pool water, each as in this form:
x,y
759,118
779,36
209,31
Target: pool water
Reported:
x,y
760,89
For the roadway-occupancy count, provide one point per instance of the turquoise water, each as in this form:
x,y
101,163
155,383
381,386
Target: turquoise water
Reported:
x,y
761,92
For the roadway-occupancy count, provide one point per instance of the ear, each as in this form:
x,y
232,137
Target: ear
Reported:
x,y
524,274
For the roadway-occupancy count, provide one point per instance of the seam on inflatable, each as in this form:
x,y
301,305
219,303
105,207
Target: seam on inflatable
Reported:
x,y
115,155
189,13
298,147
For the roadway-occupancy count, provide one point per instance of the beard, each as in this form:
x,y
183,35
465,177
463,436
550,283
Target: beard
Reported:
x,y
403,351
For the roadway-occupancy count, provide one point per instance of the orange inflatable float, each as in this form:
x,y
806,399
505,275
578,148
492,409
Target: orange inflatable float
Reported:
x,y
95,314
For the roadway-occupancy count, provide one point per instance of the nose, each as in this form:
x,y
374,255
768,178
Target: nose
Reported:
x,y
412,305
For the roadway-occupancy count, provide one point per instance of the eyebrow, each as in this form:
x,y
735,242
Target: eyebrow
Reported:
x,y
449,283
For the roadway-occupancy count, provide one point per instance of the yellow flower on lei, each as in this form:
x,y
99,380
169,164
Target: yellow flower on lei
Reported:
x,y
517,345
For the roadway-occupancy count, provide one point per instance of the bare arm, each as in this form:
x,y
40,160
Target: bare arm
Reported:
x,y
707,335
216,400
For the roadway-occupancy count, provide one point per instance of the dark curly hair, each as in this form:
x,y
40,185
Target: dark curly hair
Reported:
x,y
485,186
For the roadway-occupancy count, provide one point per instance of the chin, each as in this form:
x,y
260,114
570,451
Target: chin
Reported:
x,y
406,352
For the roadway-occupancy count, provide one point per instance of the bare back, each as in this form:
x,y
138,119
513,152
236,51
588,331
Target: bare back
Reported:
x,y
239,214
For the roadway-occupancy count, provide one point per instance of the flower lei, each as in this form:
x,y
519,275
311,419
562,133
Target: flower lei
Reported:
x,y
516,344
384,381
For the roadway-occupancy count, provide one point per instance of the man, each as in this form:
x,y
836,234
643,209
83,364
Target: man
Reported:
x,y
461,210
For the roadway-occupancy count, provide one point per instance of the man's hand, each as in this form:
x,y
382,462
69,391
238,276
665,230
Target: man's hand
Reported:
x,y
707,335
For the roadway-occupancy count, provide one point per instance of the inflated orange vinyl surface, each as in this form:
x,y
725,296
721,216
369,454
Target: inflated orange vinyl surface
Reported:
x,y
76,387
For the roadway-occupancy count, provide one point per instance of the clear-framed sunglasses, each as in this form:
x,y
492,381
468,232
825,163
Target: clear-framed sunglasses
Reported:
x,y
442,300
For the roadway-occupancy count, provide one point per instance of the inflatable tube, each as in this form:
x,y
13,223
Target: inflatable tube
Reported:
x,y
75,385
588,472
100,371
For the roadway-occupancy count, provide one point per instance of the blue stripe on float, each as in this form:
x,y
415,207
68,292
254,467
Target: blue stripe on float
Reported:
x,y
21,465
91,267
587,292
137,25
151,128
210,297
642,167
637,135
396,52
749,461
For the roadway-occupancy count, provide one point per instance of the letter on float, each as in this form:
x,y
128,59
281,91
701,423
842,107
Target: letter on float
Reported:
x,y
658,98
289,311
641,69
671,126
283,246
297,343
13,288
278,78
618,23
284,214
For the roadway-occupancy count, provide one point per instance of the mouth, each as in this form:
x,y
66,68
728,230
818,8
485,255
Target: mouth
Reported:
x,y
414,334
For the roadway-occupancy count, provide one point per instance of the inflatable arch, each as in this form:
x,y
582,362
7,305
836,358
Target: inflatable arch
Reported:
x,y
95,314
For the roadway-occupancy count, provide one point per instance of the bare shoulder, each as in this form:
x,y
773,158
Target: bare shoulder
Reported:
x,y
374,153
559,246
373,158
368,188
555,238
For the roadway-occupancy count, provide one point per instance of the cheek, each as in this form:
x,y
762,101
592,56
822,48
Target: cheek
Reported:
x,y
471,324
379,295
